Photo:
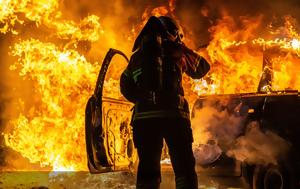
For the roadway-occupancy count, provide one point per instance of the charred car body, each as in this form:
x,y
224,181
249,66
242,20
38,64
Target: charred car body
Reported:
x,y
109,139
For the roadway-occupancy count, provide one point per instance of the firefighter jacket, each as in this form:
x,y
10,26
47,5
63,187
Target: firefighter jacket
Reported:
x,y
153,79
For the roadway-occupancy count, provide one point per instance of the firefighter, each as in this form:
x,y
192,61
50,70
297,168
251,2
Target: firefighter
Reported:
x,y
153,82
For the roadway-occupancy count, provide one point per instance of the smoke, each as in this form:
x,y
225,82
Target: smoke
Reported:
x,y
215,128
121,20
213,121
257,147
219,125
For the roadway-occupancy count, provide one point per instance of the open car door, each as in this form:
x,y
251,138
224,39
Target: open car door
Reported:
x,y
108,132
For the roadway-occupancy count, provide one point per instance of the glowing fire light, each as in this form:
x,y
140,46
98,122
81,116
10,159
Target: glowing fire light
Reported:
x,y
237,65
55,124
295,43
51,132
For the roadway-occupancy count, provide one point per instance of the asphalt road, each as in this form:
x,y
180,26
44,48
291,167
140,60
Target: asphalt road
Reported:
x,y
116,180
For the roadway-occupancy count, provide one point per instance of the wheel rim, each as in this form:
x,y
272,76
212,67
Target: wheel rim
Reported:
x,y
273,179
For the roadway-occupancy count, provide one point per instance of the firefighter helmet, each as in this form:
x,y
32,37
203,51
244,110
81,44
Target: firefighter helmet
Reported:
x,y
172,27
163,25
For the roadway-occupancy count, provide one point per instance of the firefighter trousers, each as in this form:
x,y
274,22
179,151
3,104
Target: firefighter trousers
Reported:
x,y
148,135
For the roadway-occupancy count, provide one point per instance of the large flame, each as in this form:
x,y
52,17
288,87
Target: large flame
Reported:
x,y
236,56
52,128
51,131
47,13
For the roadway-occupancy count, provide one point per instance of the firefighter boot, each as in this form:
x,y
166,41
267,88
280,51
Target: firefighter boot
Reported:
x,y
153,185
186,182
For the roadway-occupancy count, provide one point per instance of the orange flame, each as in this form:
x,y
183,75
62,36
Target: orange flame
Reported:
x,y
51,132
236,58
63,80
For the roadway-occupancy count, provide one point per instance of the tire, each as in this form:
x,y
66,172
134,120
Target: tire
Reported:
x,y
280,176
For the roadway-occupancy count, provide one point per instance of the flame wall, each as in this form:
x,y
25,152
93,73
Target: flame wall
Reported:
x,y
52,50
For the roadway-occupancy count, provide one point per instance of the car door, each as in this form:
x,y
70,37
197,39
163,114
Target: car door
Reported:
x,y
108,132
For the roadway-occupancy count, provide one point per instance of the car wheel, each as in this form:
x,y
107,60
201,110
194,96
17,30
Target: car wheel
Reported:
x,y
274,177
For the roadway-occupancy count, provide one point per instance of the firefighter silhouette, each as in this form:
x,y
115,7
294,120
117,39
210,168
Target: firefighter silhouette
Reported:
x,y
153,82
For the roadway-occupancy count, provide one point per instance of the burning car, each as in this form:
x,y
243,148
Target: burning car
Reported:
x,y
48,72
110,147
